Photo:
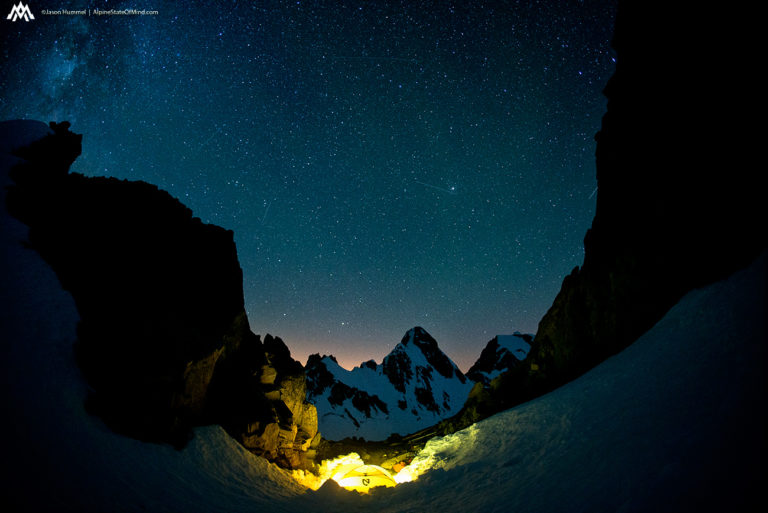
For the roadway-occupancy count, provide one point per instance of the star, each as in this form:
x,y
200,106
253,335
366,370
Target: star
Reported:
x,y
350,150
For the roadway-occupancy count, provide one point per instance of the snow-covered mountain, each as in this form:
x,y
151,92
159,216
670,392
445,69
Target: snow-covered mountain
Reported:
x,y
415,386
676,422
502,353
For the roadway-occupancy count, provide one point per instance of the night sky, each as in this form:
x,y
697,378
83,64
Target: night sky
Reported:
x,y
382,164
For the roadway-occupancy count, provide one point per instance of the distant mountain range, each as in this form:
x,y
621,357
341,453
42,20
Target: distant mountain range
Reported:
x,y
414,387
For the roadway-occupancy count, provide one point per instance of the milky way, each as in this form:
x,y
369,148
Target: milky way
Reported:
x,y
383,165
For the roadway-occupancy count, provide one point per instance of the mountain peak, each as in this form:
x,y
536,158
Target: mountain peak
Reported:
x,y
416,333
420,339
415,385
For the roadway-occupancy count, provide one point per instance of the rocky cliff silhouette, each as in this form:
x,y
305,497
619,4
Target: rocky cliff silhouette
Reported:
x,y
679,203
163,338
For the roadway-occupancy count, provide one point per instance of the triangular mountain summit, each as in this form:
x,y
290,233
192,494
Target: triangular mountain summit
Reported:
x,y
415,386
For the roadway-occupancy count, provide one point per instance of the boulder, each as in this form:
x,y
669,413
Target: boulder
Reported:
x,y
268,375
264,443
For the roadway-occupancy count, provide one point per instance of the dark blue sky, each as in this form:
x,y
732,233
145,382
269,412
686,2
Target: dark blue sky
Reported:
x,y
382,164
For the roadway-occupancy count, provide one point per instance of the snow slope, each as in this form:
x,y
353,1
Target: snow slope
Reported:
x,y
414,387
676,422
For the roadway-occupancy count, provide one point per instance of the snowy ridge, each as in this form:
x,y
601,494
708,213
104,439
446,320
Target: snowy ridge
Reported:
x,y
514,344
414,387
502,353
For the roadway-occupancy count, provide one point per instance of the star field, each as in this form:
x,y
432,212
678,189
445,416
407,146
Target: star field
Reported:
x,y
382,164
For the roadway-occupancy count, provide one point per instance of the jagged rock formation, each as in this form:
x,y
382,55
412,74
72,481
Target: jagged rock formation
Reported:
x,y
259,397
415,386
677,203
163,338
502,353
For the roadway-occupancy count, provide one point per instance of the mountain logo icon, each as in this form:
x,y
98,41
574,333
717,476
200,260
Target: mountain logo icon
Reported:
x,y
20,11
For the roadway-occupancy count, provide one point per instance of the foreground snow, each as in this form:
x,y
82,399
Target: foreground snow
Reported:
x,y
676,422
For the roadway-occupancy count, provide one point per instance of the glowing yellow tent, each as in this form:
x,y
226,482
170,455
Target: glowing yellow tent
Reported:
x,y
362,477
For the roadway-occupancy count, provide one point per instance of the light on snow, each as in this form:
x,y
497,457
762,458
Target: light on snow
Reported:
x,y
352,473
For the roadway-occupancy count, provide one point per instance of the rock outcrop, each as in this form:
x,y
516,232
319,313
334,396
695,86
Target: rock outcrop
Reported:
x,y
163,338
675,195
679,204
264,407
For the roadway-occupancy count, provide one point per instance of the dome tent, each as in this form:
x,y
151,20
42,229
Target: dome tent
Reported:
x,y
362,478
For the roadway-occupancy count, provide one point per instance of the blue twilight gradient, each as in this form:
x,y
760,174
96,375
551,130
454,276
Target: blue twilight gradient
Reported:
x,y
382,164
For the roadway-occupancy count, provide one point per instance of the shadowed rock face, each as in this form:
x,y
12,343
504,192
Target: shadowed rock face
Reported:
x,y
260,397
675,197
158,291
678,201
163,338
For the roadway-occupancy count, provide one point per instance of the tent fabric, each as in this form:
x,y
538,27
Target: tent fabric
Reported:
x,y
363,477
